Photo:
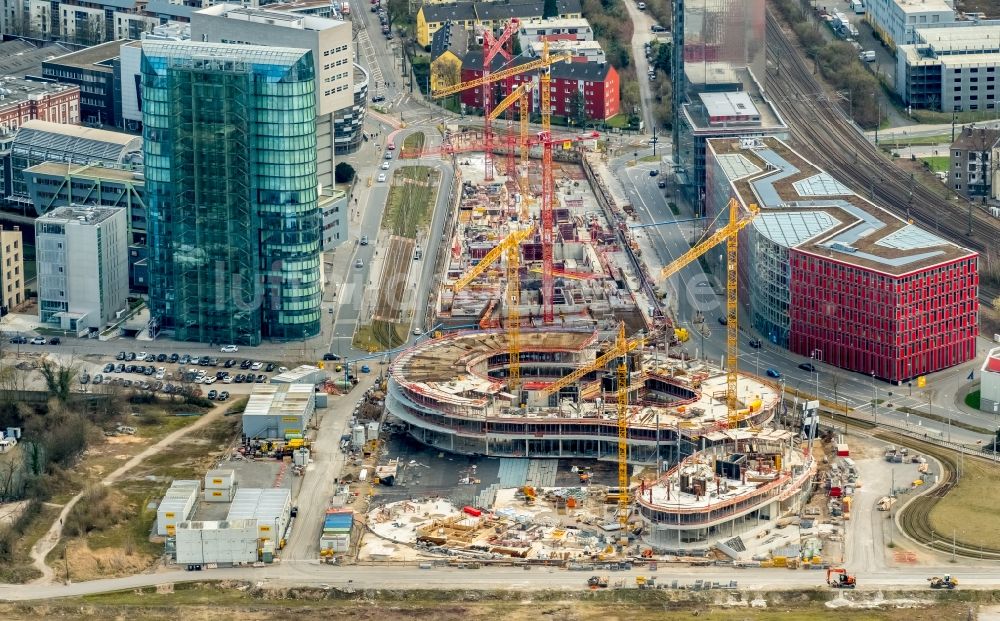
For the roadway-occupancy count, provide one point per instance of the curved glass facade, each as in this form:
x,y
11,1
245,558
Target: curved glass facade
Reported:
x,y
235,225
348,124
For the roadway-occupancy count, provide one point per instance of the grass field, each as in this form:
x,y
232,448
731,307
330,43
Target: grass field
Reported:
x,y
938,163
411,200
897,139
969,510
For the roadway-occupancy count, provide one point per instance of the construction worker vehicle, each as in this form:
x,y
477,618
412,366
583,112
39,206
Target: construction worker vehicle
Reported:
x,y
838,578
945,582
597,582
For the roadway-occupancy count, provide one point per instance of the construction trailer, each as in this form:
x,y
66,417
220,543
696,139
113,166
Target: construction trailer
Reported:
x,y
176,506
230,542
272,508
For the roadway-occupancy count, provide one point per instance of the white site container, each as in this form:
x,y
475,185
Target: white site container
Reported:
x,y
219,495
225,542
358,436
272,508
176,506
220,479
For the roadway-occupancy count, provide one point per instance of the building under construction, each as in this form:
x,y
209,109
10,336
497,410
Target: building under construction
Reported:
x,y
452,392
593,278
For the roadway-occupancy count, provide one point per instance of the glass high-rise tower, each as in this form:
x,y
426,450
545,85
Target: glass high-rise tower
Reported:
x,y
230,158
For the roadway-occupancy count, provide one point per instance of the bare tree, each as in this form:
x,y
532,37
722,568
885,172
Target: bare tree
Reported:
x,y
59,378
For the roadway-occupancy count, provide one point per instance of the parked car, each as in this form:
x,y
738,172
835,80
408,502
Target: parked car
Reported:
x,y
223,395
229,363
120,356
38,340
161,357
326,356
54,340
174,358
257,366
212,395
658,28
270,367
261,378
229,349
773,373
129,357
98,379
120,368
109,367
808,366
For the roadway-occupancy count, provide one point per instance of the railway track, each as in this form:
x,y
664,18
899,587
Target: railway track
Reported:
x,y
914,516
824,135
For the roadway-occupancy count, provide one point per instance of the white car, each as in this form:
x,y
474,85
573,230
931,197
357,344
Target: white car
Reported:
x,y
257,366
227,379
385,165
210,379
229,349
282,369
140,356
381,178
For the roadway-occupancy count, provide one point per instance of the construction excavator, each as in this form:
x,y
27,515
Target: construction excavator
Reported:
x,y
946,582
838,578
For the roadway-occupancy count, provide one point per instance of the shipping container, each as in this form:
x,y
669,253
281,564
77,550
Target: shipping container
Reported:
x,y
335,543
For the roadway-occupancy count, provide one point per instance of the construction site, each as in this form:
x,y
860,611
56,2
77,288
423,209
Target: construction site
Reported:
x,y
549,346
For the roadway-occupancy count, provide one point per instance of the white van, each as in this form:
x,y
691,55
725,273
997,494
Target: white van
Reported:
x,y
867,56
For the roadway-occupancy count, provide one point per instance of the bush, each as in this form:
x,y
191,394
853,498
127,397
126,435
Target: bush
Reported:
x,y
343,173
96,510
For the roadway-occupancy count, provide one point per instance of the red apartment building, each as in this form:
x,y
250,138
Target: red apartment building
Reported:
x,y
597,81
829,274
26,100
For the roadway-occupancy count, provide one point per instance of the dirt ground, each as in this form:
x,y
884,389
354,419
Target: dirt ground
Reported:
x,y
210,602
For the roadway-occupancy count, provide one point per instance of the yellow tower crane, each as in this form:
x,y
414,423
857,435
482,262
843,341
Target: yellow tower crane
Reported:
x,y
620,351
729,234
510,248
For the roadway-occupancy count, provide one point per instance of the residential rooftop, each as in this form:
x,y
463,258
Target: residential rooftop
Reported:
x,y
806,208
961,39
18,90
923,6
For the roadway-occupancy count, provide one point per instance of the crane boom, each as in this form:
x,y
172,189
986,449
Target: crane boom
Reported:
x,y
729,234
491,257
514,322
496,76
621,348
510,100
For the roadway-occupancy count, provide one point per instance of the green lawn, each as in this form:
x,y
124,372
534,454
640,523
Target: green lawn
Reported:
x,y
380,336
411,200
619,121
938,163
414,142
897,139
972,399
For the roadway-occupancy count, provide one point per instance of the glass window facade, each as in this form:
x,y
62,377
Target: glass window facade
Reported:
x,y
235,225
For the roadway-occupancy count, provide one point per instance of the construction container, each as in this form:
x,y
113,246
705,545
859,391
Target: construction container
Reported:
x,y
267,548
176,506
228,542
358,436
301,457
372,431
272,508
219,495
220,479
335,543
338,522
843,450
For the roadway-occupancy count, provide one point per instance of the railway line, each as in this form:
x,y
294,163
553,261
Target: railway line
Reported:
x,y
824,134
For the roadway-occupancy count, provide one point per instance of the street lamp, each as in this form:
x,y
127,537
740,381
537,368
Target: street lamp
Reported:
x,y
874,398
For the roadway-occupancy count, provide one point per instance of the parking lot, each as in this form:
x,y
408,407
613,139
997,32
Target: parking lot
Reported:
x,y
219,378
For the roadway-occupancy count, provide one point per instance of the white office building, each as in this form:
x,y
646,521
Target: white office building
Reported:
x,y
951,68
82,267
896,21
330,41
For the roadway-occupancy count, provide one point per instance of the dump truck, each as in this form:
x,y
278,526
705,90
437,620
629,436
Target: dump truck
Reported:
x,y
945,582
838,578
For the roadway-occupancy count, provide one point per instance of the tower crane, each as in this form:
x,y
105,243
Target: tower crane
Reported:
x,y
545,139
491,47
510,248
729,234
619,351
